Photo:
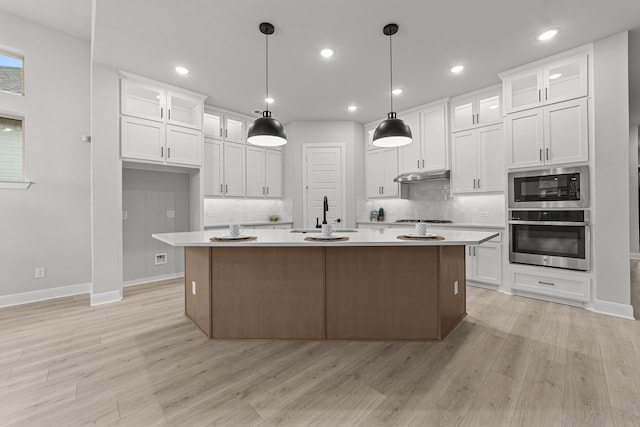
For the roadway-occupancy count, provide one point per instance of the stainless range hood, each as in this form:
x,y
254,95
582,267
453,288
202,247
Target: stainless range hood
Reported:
x,y
408,178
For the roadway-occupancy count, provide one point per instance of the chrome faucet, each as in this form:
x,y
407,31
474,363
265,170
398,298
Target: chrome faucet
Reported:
x,y
325,208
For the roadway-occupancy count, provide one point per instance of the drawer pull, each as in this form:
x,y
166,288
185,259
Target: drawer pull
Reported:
x,y
546,283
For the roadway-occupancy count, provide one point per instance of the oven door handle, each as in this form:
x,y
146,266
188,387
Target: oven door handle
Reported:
x,y
559,223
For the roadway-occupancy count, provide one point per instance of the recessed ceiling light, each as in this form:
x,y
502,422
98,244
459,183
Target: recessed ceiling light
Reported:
x,y
547,35
181,70
352,108
457,69
327,53
555,76
269,100
396,91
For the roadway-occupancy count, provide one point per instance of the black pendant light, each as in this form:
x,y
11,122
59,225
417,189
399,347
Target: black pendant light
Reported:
x,y
267,131
392,132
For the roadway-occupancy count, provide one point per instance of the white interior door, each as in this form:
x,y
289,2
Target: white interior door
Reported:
x,y
324,176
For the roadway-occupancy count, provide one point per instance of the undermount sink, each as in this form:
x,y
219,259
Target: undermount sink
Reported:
x,y
319,230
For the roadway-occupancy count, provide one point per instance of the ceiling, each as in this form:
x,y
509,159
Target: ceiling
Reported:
x,y
219,41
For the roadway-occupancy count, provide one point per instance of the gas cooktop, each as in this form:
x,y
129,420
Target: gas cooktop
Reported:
x,y
432,221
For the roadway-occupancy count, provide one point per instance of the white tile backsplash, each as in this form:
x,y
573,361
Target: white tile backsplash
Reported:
x,y
432,200
226,211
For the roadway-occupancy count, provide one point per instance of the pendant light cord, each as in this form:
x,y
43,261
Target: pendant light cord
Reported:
x,y
266,96
391,71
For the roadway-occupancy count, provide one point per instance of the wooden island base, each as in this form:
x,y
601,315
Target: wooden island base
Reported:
x,y
331,292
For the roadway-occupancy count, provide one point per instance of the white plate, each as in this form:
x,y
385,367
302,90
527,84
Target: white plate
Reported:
x,y
321,237
228,237
421,235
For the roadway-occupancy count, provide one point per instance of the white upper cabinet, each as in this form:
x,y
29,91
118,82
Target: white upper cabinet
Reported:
x,y
368,135
476,109
224,127
553,135
380,169
429,150
478,160
184,110
234,169
142,100
160,124
556,81
213,168
264,172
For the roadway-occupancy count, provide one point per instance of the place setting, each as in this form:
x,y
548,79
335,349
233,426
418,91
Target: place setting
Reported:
x,y
326,235
420,233
234,234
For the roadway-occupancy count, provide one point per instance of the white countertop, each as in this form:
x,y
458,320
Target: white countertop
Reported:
x,y
439,225
249,224
363,237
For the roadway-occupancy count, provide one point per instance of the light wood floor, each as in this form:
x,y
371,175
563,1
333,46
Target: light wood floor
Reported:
x,y
513,361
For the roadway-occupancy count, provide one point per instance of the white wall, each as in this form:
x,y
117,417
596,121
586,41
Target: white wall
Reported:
x,y
634,138
611,169
149,198
318,132
48,225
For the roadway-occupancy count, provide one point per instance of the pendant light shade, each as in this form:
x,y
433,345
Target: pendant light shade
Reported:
x,y
392,132
267,131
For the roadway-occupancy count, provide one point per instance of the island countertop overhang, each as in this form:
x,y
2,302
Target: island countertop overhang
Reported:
x,y
362,237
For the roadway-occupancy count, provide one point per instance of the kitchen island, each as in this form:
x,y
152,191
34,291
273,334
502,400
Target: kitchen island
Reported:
x,y
372,286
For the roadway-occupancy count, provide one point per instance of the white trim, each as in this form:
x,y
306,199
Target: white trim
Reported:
x,y
106,297
15,185
343,153
615,309
44,294
634,255
152,279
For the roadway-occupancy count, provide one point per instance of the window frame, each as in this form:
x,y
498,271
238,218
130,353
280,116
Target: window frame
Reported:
x,y
23,183
16,55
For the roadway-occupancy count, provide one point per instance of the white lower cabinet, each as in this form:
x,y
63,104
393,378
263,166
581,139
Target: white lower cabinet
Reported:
x,y
550,283
224,165
152,141
264,173
484,262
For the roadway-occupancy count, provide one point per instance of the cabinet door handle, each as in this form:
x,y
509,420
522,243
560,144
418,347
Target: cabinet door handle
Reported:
x,y
546,283
423,163
382,189
168,152
541,154
474,251
267,191
263,191
168,113
418,163
220,132
546,97
161,152
547,154
478,118
473,119
469,250
539,95
226,133
478,183
161,111
474,183
226,188
221,189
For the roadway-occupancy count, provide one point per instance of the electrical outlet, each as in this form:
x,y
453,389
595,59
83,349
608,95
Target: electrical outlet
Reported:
x,y
161,259
193,287
40,272
125,214
455,287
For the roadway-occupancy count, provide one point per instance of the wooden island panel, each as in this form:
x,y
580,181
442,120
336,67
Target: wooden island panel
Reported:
x,y
267,292
453,308
382,292
196,267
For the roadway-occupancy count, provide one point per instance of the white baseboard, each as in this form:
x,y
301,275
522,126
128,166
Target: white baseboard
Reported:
x,y
624,311
106,297
152,279
44,294
634,255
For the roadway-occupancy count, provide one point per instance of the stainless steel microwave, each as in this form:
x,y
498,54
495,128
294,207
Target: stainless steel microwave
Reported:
x,y
549,188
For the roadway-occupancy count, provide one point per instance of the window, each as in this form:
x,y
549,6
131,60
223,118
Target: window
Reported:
x,y
11,76
11,150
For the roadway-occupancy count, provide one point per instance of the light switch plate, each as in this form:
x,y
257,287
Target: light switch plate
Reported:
x,y
455,287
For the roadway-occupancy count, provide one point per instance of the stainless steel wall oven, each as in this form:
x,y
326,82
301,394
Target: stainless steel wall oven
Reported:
x,y
550,238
